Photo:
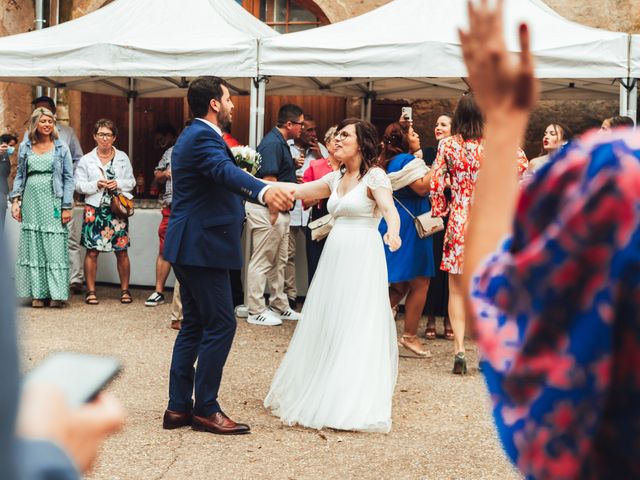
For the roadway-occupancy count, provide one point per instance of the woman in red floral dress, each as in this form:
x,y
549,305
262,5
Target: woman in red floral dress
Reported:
x,y
457,164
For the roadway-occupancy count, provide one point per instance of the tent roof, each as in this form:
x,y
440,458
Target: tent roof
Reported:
x,y
165,39
416,41
635,56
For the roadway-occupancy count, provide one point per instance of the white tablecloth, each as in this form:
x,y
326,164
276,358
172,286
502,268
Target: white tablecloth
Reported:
x,y
143,231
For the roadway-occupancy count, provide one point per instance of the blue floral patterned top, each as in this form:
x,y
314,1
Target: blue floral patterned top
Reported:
x,y
557,312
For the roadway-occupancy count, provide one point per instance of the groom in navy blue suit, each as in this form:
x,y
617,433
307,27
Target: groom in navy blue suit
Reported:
x,y
203,243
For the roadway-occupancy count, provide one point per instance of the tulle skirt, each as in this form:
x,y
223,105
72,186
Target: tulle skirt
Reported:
x,y
341,366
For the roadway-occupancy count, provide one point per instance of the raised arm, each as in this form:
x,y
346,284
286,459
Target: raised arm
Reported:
x,y
506,91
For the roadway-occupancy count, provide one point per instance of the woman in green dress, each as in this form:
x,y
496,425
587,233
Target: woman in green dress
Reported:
x,y
42,200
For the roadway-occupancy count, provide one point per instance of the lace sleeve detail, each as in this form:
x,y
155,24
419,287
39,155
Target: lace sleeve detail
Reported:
x,y
330,179
377,178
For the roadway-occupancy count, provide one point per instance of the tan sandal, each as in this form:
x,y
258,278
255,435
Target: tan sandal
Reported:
x,y
406,344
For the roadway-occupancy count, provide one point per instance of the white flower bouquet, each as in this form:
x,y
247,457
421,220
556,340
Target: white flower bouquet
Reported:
x,y
247,159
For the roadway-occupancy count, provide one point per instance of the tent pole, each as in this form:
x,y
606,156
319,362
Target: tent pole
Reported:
x,y
369,102
262,92
39,21
132,99
363,107
629,98
632,101
623,99
253,119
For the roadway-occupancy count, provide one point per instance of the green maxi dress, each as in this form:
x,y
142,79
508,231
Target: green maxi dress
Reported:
x,y
42,268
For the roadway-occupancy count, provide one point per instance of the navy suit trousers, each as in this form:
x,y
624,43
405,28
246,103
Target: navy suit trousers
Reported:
x,y
206,335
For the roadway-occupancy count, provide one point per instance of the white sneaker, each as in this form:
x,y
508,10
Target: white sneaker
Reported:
x,y
241,311
289,314
266,318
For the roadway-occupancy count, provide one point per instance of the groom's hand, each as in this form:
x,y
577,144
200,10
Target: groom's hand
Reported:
x,y
279,199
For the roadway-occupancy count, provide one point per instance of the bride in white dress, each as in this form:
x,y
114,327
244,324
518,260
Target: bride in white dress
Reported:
x,y
341,366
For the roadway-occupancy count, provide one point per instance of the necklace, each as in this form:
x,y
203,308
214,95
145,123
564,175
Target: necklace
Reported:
x,y
105,156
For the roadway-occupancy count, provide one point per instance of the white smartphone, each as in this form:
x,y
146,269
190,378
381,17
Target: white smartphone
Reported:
x,y
407,113
80,377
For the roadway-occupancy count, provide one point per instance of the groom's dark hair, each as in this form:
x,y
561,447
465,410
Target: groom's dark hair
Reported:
x,y
201,91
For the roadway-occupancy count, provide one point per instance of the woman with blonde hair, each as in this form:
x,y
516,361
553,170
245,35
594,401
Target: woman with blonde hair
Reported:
x,y
555,136
42,200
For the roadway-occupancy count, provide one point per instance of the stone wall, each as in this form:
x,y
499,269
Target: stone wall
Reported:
x,y
624,15
16,16
620,15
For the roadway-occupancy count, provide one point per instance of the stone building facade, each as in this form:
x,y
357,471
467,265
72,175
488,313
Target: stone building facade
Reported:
x,y
17,16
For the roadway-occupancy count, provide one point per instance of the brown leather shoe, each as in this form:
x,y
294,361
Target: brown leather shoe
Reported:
x,y
173,420
220,424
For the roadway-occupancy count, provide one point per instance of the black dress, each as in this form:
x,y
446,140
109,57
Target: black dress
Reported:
x,y
437,304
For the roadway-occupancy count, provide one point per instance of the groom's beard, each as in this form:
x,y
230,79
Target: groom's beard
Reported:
x,y
224,119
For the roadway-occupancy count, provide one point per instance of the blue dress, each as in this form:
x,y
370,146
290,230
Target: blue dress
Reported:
x,y
415,257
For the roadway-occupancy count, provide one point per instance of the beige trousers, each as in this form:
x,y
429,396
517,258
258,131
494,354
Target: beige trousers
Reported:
x,y
290,288
176,304
268,258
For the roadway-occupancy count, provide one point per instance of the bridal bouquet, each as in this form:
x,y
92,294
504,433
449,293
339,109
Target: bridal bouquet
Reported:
x,y
247,159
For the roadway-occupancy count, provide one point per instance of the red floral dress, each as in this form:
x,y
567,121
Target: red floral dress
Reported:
x,y
457,164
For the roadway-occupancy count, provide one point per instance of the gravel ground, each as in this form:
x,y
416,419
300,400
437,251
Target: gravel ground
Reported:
x,y
442,427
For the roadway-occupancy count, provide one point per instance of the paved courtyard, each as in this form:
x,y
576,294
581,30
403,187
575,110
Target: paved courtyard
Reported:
x,y
442,427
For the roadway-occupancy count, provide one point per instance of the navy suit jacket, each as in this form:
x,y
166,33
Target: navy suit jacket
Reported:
x,y
20,459
206,210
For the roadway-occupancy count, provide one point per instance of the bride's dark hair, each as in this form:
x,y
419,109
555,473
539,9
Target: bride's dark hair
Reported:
x,y
367,137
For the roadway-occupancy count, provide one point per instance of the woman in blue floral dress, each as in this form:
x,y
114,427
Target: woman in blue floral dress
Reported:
x,y
554,278
100,173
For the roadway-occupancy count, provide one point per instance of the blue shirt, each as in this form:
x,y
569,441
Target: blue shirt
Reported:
x,y
276,158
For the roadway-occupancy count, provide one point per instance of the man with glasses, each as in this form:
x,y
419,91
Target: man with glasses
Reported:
x,y
269,233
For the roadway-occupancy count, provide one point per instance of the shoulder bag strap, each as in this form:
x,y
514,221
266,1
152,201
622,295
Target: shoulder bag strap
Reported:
x,y
405,208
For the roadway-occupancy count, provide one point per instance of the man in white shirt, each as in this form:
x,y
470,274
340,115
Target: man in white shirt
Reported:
x,y
307,148
68,136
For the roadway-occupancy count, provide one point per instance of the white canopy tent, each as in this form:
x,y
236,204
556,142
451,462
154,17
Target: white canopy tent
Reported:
x,y
410,49
146,48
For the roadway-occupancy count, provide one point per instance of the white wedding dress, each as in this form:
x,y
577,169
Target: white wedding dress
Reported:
x,y
341,366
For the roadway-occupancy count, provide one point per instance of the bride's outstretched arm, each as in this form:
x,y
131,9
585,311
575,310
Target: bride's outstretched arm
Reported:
x,y
384,200
316,190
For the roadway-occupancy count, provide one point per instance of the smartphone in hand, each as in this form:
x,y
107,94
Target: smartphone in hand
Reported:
x,y
407,114
80,376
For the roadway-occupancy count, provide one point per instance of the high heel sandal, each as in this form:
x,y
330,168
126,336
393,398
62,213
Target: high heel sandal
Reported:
x,y
413,351
459,364
430,331
448,332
